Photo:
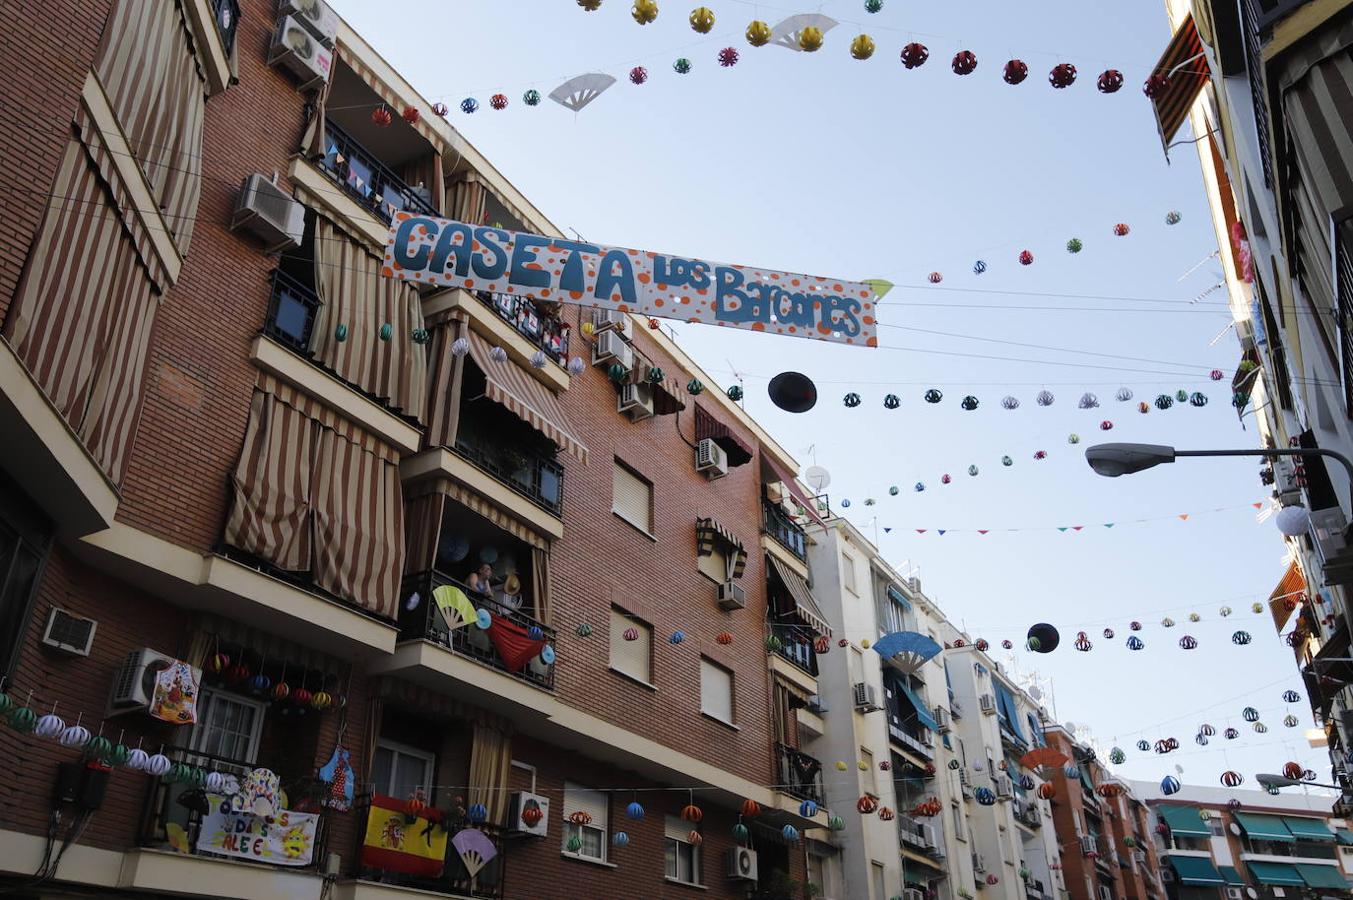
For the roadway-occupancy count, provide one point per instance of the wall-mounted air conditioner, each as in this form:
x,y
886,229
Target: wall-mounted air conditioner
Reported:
x,y
521,801
1003,788
742,864
134,682
732,596
298,51
711,459
611,348
604,320
68,632
315,15
1088,844
265,211
987,704
636,401
866,696
942,719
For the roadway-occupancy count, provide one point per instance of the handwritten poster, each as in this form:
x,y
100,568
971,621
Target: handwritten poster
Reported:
x,y
286,840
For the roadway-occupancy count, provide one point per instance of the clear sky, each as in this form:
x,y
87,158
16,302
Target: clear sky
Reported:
x,y
821,164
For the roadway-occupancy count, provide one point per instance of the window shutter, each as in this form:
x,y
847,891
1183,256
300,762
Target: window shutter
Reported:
x,y
632,498
580,799
714,565
677,829
631,657
716,691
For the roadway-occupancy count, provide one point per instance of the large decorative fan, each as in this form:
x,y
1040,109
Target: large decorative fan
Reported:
x,y
475,849
786,33
456,609
907,651
1043,756
581,90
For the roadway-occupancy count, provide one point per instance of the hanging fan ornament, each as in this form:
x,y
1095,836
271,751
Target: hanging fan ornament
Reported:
x,y
1110,81
1015,71
914,55
576,93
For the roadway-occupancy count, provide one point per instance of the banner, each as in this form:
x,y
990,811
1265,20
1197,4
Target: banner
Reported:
x,y
397,842
453,254
287,840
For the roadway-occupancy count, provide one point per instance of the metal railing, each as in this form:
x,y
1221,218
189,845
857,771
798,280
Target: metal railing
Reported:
x,y
1343,292
455,879
227,16
785,530
798,774
911,833
917,743
536,477
425,621
366,178
291,312
794,643
1253,17
549,333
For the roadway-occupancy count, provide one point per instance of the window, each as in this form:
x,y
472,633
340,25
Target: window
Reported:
x,y
716,691
228,726
825,872
593,835
959,832
633,658
714,565
1216,827
868,782
632,497
398,770
683,857
876,882
24,539
848,571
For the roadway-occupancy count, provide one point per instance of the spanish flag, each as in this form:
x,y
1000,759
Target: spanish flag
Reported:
x,y
394,844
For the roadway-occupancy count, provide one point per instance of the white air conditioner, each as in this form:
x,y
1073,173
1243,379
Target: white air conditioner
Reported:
x,y
134,682
711,459
866,697
1003,788
942,719
777,492
611,348
1139,856
1088,844
978,863
300,52
987,704
68,632
520,801
927,835
314,15
1327,527
732,596
1105,893
742,864
604,320
636,400
265,211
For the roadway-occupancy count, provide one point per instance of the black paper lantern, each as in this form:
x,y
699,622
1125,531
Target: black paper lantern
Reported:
x,y
1043,638
793,392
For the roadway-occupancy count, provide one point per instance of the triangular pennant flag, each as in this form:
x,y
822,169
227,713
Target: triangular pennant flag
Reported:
x,y
1257,505
1184,517
982,530
1108,524
1077,527
887,531
1061,528
922,530
940,530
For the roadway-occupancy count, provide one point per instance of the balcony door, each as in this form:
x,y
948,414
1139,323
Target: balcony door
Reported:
x,y
228,727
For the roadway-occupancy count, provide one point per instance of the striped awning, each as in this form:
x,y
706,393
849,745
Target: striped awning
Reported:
x,y
711,536
667,391
806,606
527,398
707,426
1292,586
1184,67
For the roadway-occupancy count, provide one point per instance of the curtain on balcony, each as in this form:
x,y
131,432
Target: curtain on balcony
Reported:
x,y
472,501
148,68
507,384
354,293
490,766
465,200
445,377
423,507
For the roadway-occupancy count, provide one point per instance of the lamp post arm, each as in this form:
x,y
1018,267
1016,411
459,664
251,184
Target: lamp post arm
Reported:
x,y
1296,451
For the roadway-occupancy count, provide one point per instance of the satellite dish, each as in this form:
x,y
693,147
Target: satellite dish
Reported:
x,y
793,392
817,477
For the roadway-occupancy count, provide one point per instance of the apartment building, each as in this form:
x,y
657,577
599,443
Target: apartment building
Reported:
x,y
1265,94
1220,843
318,582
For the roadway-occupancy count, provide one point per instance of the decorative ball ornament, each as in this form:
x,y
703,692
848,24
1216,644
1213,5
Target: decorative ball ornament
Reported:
x,y
702,19
1291,697
1260,728
1173,217
498,101
1073,438
638,75
1167,622
1117,756
979,267
575,843
1123,395
1144,745
810,39
677,637
631,634
1007,461
694,387
50,726
498,354
682,66
281,691
1188,642
1074,246
692,813
381,118
301,697
790,833
750,809
1110,81
1292,770
972,470
620,839
866,805
982,645
862,47
1135,643
964,62
1256,608
1293,521
945,478
583,630
808,809
1169,785
116,755
1198,398
1121,229
469,105
851,400
1063,75
728,57
695,838
933,396
914,55
1182,396
1026,258
758,33
985,796
1250,714
644,11
1015,71
873,6
935,277
1290,721
1106,425
969,403
1216,375
532,98
1047,790
1155,86
440,109
157,766
1044,398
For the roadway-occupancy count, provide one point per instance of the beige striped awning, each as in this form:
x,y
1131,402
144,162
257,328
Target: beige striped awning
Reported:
x,y
527,398
1184,67
710,535
807,607
1291,587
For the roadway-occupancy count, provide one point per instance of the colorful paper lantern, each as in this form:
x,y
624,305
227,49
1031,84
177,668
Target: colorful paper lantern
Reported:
x,y
1110,81
1231,734
1169,785
935,277
933,396
873,6
810,39
1290,696
1117,756
1155,86
1074,246
964,62
682,66
50,726
644,11
1250,714
469,105
1063,75
1135,643
440,109
1026,258
583,630
702,19
728,57
638,75
790,833
862,47
381,118
532,98
1108,634
1047,790
1188,642
914,55
1044,398
851,400
498,101
969,403
866,805
1015,71
1106,425
758,33
631,634
1216,375
808,809
1291,721
692,813
1121,229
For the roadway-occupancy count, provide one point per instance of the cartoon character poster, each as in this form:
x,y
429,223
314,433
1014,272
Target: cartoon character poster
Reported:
x,y
174,698
287,840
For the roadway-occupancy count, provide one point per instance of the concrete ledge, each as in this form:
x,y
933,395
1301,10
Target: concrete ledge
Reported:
x,y
440,462
22,853
487,324
787,671
773,547
211,51
811,722
321,193
203,876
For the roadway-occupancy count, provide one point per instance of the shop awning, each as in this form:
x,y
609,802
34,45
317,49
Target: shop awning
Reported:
x,y
1291,586
808,609
1230,874
1322,876
1196,870
1265,828
1184,820
1283,874
1308,829
923,714
528,399
707,426
711,536
1183,65
1345,837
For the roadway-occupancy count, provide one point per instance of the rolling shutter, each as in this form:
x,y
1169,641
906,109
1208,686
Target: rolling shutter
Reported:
x,y
633,658
716,691
632,498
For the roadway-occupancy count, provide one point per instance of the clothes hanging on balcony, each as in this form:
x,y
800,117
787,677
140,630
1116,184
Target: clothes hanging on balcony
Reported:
x,y
711,536
511,386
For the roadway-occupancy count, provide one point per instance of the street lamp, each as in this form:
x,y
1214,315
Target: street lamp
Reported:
x,y
1282,781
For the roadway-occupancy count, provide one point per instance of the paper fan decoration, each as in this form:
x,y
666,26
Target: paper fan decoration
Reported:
x,y
456,609
788,31
906,650
475,849
581,90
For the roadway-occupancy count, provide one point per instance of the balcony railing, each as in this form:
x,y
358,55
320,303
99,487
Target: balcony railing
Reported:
x,y
795,643
227,16
291,312
1301,850
367,179
538,478
455,879
785,530
917,743
1343,290
427,622
798,774
547,332
1253,18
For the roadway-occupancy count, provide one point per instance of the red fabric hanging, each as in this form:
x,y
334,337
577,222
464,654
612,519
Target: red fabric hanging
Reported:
x,y
512,643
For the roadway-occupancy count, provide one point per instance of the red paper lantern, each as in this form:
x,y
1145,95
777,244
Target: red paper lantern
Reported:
x,y
638,75
981,644
935,277
411,115
1155,86
381,118
1231,779
1026,258
886,814
580,817
1121,229
301,697
821,645
1047,791
692,813
1110,80
964,63
1293,770
498,101
441,110
237,674
281,691
1063,75
728,57
1015,71
695,838
1216,375
842,642
959,642
866,805
992,879
750,808
654,324
1106,425
724,638
884,765
631,634
532,815
218,663
914,55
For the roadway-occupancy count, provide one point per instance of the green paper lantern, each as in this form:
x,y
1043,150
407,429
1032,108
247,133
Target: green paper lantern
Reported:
x,y
1033,644
740,832
178,772
22,719
99,747
575,844
1074,245
1007,461
583,630
6,703
893,491
387,331
116,755
873,6
774,644
694,387
735,393
836,823
617,372
1024,873
340,332
420,336
531,97
1182,396
654,375
682,65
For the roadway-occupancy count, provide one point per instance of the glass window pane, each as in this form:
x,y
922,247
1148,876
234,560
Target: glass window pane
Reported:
x,y
671,847
380,770
410,774
591,843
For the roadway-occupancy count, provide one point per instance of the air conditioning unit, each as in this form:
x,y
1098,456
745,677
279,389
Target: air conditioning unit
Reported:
x,y
300,52
1003,788
732,596
604,320
1088,844
742,864
866,697
520,801
942,719
134,682
636,400
314,15
1327,527
927,835
611,348
265,211
711,459
68,632
987,704
978,863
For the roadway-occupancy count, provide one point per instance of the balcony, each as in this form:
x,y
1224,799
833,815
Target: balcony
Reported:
x,y
366,179
426,622
549,333
798,774
455,880
915,835
1026,813
917,743
1255,17
537,477
794,643
1343,289
784,530
291,313
1034,890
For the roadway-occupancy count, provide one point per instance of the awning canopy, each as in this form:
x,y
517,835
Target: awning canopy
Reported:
x,y
1322,876
923,714
1265,828
1196,870
707,426
1290,586
667,391
1345,837
1283,874
1183,65
528,399
897,597
1230,874
710,536
1308,829
807,607
1008,712
1184,820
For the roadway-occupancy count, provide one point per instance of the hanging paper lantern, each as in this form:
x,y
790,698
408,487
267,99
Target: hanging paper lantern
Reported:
x,y
1169,785
808,809
702,19
1034,644
260,683
340,332
1181,396
1044,398
157,765
218,663
1216,375
590,5
575,843
1292,770
137,760
758,33
50,726
1106,425
1073,438
1173,217
1088,401
1198,398
892,401
1206,729
914,55
1135,643
1040,454
969,403
1188,642
1260,728
1062,75
933,396
1194,617
873,6
682,65
1110,80
1230,734
116,755
1291,697
810,39
1143,745
498,101
1047,790
1008,644
1026,258
1117,756
1007,461
1290,720
985,796
851,400
469,105
981,644
381,118
866,805
1163,746
630,634
1200,740
440,109
1082,642
281,691
1009,402
945,478
1015,71
1257,608
638,75
728,57
1121,229
935,277
1135,626
1250,714
677,637
964,62
301,697
862,47
972,470
790,833
644,11
1155,86
1167,622
692,813
1123,395
532,98
1074,246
